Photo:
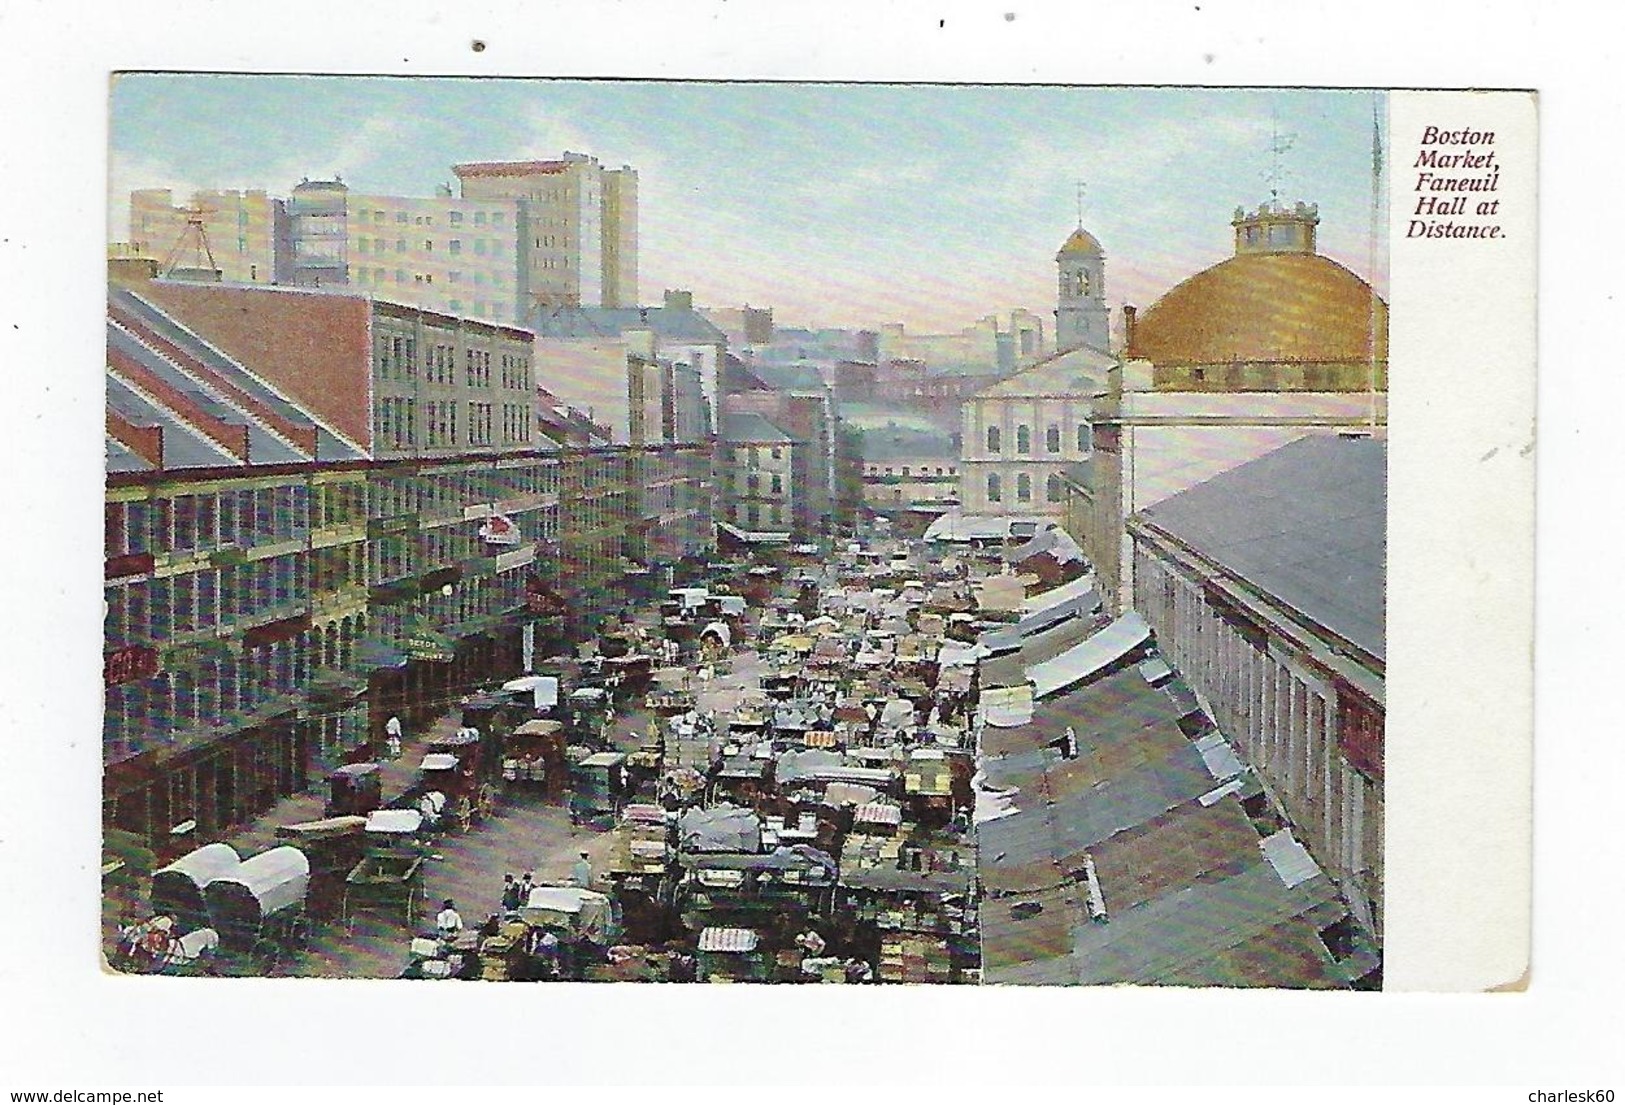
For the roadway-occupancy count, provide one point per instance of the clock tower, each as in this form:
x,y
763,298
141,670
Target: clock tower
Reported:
x,y
1080,308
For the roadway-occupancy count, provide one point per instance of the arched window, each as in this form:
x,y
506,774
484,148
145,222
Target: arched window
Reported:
x,y
995,490
1024,440
993,439
1052,439
1084,441
1052,488
1024,488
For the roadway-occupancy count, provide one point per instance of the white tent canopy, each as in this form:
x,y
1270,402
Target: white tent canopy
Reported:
x,y
269,883
1086,658
544,688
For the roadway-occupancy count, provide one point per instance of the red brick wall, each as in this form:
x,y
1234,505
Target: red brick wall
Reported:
x,y
314,347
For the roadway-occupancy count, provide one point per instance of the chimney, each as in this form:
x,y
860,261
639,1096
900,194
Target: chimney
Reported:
x,y
1128,328
679,300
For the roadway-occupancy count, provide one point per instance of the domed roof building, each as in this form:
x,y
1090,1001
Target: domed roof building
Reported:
x,y
1277,316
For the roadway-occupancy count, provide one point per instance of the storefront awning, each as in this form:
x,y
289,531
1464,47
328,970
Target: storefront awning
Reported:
x,y
755,536
1078,663
375,654
1007,707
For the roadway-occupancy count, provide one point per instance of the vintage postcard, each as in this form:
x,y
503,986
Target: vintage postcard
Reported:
x,y
806,533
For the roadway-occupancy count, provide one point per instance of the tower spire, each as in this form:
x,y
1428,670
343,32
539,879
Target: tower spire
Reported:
x,y
1279,145
1080,186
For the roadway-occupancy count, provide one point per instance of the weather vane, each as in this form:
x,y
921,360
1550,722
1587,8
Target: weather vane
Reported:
x,y
1279,144
1080,204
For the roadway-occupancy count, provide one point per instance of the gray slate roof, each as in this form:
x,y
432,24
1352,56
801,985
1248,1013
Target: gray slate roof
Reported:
x,y
584,323
1305,524
907,444
750,427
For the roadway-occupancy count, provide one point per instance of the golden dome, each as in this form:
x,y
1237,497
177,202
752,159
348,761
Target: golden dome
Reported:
x,y
1263,308
1081,242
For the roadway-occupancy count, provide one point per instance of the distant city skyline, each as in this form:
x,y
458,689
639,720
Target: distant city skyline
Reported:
x,y
834,204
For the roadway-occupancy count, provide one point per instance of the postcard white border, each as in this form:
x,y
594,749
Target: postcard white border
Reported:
x,y
78,1028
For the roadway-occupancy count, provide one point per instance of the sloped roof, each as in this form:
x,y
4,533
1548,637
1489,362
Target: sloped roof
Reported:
x,y
748,426
1080,241
1305,524
1188,887
906,444
1080,372
674,324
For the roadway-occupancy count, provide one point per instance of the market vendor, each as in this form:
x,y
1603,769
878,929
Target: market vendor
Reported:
x,y
448,922
581,873
811,943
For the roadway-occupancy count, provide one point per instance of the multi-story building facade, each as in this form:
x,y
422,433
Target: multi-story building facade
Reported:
x,y
292,553
1265,587
454,256
1020,436
522,235
992,345
909,476
759,465
1271,345
579,240
808,417
219,235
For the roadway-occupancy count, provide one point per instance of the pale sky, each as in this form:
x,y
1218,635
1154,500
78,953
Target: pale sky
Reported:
x,y
835,204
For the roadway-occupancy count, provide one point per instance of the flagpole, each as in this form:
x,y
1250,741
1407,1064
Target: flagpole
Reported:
x,y
1371,265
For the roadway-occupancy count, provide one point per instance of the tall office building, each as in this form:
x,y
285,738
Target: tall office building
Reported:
x,y
579,233
220,235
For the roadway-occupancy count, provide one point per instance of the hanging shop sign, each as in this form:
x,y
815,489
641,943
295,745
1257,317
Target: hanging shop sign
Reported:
x,y
430,647
129,564
499,529
272,632
127,665
542,599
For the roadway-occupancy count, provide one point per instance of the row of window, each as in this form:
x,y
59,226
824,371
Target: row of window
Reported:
x,y
515,372
398,360
753,483
515,424
1054,489
364,275
751,514
397,423
876,470
144,714
154,610
402,218
482,247
188,523
752,454
445,494
1024,439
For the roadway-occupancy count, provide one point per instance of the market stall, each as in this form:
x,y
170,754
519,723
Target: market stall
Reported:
x,y
178,889
259,905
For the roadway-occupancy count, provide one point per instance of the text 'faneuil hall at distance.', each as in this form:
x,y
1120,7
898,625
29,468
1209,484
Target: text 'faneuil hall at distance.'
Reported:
x,y
1449,206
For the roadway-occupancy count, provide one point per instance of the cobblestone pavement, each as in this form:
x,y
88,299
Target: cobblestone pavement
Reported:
x,y
528,833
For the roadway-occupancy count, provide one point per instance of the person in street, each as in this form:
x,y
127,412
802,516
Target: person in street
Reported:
x,y
448,922
510,893
811,943
392,737
526,882
547,952
1069,741
581,873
